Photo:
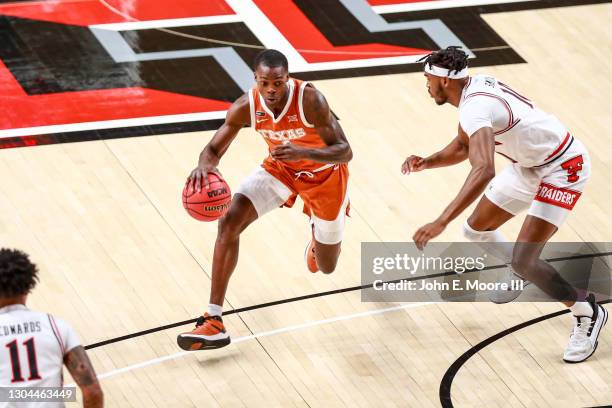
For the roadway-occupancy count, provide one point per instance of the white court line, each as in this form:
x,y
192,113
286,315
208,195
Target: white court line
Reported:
x,y
111,124
435,5
172,22
262,334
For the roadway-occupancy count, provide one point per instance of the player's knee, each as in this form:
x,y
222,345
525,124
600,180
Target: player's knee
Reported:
x,y
471,233
230,226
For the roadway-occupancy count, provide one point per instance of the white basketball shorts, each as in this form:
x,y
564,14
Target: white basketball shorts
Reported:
x,y
550,192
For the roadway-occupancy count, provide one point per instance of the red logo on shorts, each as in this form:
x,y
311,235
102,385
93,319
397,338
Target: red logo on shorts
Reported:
x,y
561,197
573,166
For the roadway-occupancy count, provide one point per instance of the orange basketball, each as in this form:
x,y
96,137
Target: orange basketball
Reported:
x,y
207,205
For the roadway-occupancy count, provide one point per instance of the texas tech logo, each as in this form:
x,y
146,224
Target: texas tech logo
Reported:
x,y
573,166
126,72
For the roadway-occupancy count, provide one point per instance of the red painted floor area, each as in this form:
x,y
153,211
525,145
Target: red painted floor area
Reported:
x,y
21,110
304,36
89,12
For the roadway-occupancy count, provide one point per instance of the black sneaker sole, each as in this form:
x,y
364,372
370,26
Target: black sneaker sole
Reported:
x,y
194,344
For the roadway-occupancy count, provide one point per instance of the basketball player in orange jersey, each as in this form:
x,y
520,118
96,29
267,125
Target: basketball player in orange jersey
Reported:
x,y
308,155
548,173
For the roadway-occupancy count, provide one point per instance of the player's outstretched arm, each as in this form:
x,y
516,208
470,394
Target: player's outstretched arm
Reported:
x,y
481,155
318,113
237,117
455,152
482,159
83,373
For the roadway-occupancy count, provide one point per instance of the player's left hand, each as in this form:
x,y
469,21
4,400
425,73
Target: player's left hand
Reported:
x,y
427,232
289,152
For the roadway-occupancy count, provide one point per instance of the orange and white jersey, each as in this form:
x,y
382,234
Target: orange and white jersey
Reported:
x,y
523,133
32,349
291,126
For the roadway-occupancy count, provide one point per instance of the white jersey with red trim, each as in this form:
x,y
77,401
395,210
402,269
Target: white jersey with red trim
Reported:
x,y
32,349
523,133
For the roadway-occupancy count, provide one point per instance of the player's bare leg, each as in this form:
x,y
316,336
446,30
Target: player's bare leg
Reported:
x,y
321,257
526,261
324,248
240,215
327,256
210,332
488,216
589,317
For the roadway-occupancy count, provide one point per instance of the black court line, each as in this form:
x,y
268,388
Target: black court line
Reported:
x,y
449,376
319,294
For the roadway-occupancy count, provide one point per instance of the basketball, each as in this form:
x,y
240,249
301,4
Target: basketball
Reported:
x,y
207,205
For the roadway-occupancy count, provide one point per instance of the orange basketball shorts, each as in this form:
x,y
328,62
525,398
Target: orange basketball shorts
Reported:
x,y
323,191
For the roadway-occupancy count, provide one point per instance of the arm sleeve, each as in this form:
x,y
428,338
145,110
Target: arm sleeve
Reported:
x,y
477,112
69,337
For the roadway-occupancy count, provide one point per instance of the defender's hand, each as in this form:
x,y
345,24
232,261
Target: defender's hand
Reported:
x,y
427,232
413,164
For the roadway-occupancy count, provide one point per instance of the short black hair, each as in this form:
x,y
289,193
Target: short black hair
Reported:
x,y
452,58
18,275
272,59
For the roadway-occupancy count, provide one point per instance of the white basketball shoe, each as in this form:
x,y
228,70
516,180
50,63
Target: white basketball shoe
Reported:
x,y
514,284
583,340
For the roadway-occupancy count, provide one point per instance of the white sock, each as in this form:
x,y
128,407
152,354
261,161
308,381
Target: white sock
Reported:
x,y
582,309
499,244
215,310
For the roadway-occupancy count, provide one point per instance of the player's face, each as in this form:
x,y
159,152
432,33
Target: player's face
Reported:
x,y
436,89
272,84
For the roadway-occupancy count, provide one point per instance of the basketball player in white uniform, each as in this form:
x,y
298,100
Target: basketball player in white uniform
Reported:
x,y
34,346
548,173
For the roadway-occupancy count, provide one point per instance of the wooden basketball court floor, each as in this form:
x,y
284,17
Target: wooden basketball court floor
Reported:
x,y
118,254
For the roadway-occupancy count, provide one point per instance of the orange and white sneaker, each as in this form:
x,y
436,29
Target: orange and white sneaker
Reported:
x,y
309,256
209,333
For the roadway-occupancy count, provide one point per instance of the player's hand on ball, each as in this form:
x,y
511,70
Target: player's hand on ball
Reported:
x,y
427,232
199,176
289,152
413,163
